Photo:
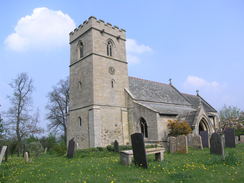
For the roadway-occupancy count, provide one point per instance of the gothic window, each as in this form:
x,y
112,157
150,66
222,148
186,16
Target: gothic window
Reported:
x,y
80,50
143,125
110,48
80,121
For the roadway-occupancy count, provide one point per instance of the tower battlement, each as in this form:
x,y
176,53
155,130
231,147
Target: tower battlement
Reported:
x,y
99,25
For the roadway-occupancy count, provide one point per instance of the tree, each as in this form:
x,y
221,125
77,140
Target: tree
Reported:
x,y
1,126
20,121
177,127
58,108
231,116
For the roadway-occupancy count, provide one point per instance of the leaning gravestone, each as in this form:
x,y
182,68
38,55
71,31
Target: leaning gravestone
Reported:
x,y
230,137
116,146
205,138
172,144
4,148
71,148
216,144
139,151
197,142
181,144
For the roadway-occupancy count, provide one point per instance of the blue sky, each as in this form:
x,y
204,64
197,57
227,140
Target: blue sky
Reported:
x,y
199,44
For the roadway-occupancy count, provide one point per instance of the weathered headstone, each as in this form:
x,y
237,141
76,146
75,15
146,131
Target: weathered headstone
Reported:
x,y
182,144
138,148
230,137
196,142
45,150
3,150
116,146
241,138
26,157
189,139
216,144
172,144
71,149
205,138
236,139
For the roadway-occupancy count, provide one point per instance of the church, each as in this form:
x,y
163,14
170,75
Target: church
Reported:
x,y
107,105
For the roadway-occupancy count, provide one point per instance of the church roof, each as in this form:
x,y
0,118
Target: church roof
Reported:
x,y
150,91
166,99
196,101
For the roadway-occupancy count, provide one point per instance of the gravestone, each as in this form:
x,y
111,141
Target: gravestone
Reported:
x,y
172,144
45,150
197,142
241,138
3,151
139,152
182,144
230,137
71,148
236,139
205,138
26,157
216,144
189,139
116,146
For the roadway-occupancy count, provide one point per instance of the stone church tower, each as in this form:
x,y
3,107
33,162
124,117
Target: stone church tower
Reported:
x,y
98,79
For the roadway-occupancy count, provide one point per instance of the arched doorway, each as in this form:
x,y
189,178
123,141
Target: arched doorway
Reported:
x,y
143,126
203,125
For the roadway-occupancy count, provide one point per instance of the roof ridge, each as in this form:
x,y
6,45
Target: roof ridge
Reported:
x,y
208,103
149,80
181,94
189,94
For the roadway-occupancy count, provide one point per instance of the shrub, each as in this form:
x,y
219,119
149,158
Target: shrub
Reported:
x,y
177,127
59,149
34,148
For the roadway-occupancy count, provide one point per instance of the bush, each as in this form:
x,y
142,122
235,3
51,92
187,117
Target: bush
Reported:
x,y
34,148
48,142
177,127
59,149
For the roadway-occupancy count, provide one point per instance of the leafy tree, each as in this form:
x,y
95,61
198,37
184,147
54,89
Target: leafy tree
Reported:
x,y
231,116
177,127
58,108
20,122
1,126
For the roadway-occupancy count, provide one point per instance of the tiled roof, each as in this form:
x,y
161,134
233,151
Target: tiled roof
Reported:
x,y
144,90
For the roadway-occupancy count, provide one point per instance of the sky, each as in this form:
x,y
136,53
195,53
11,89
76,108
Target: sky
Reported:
x,y
198,44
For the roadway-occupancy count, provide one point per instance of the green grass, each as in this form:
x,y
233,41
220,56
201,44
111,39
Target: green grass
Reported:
x,y
95,167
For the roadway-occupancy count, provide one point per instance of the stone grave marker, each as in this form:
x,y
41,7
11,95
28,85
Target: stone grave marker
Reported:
x,y
172,144
71,148
216,144
230,137
197,142
236,139
189,139
182,144
45,150
139,152
205,138
26,157
116,146
241,138
3,151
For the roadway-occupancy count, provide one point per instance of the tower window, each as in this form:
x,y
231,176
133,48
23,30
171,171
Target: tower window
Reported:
x,y
112,83
110,48
80,50
80,121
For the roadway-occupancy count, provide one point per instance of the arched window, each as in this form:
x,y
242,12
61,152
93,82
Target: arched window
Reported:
x,y
80,50
110,48
143,125
80,121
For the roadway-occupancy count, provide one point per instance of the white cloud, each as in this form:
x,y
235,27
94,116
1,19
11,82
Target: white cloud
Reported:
x,y
198,83
44,28
135,50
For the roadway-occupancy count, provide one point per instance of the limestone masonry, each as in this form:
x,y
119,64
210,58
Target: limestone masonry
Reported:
x,y
107,105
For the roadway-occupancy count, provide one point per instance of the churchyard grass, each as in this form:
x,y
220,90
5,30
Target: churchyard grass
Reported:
x,y
103,166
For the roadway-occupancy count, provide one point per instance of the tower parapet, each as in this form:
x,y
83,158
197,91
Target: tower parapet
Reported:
x,y
99,25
